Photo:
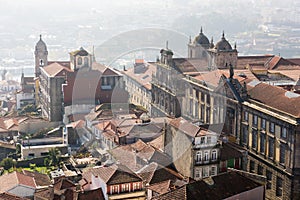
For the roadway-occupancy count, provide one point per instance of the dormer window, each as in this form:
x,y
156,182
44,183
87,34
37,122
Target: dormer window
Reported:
x,y
208,140
202,141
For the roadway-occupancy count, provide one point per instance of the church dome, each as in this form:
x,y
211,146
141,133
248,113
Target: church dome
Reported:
x,y
201,39
223,45
41,45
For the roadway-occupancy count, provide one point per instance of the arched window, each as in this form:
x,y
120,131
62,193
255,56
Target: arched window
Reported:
x,y
214,155
79,61
86,61
198,156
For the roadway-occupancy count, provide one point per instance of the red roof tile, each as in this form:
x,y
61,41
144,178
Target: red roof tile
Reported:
x,y
8,196
185,126
15,178
275,97
56,69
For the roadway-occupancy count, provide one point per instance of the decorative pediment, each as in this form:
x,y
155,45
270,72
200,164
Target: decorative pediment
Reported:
x,y
231,88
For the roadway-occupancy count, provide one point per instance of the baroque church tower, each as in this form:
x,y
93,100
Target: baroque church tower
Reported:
x,y
41,56
223,55
198,48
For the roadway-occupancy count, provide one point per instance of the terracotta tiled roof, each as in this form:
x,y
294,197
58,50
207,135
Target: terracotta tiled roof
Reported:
x,y
185,126
40,179
14,179
244,61
143,78
213,188
186,65
78,124
161,187
8,196
63,183
277,61
114,174
42,193
96,194
63,63
98,66
155,173
294,60
56,69
158,142
213,77
275,97
136,155
11,123
105,70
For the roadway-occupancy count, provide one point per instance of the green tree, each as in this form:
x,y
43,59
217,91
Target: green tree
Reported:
x,y
47,162
18,148
54,156
7,163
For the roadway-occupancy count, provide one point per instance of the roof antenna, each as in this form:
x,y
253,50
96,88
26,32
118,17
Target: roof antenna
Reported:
x,y
167,44
223,35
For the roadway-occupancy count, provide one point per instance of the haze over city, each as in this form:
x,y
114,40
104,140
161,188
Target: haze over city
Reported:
x,y
257,27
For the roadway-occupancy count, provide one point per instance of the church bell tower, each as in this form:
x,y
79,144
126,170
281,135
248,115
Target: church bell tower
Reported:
x,y
41,56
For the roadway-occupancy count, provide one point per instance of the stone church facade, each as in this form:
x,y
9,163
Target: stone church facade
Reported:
x,y
264,124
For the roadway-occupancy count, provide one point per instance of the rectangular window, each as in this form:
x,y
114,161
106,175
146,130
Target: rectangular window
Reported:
x,y
136,186
123,188
279,186
282,154
245,135
284,132
197,95
198,157
254,139
202,140
208,99
252,166
213,171
260,170
191,92
205,172
263,124
262,143
245,117
214,155
208,115
272,127
271,147
202,113
202,97
208,140
198,173
269,179
114,189
206,156
191,107
254,120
